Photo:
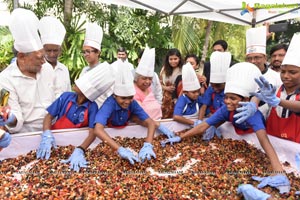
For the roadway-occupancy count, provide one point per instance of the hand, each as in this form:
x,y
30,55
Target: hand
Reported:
x,y
76,160
146,152
197,122
5,140
210,133
246,110
47,142
164,130
170,140
281,182
251,193
267,92
11,118
127,154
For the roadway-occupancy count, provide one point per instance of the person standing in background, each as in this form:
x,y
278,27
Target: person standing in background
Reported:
x,y
277,54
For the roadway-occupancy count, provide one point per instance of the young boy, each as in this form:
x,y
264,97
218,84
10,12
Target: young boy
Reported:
x,y
76,109
239,83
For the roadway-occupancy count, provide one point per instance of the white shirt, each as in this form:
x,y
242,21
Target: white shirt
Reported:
x,y
273,77
28,97
156,88
115,66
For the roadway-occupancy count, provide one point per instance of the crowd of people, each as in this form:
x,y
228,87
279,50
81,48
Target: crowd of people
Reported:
x,y
254,96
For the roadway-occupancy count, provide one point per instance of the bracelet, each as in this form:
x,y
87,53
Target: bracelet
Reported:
x,y
80,147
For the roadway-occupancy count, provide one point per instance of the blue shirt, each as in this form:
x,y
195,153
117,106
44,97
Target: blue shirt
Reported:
x,y
256,122
186,106
116,115
76,112
218,100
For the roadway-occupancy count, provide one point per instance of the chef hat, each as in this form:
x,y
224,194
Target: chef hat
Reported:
x,y
52,31
124,86
93,36
240,79
292,55
190,81
256,39
219,63
96,81
24,29
147,62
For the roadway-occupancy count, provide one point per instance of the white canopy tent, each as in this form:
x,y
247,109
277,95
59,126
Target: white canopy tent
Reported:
x,y
217,10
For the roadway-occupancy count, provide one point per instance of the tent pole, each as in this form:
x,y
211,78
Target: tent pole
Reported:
x,y
253,22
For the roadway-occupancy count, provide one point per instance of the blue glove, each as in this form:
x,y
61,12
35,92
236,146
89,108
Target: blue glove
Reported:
x,y
146,152
246,110
47,142
210,133
267,92
170,140
281,182
197,122
251,193
5,140
164,130
127,154
10,119
76,160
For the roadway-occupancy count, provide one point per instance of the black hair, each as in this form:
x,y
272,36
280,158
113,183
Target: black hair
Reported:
x,y
278,47
167,67
122,49
197,59
223,43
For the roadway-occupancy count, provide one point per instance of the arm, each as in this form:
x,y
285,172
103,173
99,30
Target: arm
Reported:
x,y
101,133
47,122
183,120
200,129
290,105
202,111
89,140
150,124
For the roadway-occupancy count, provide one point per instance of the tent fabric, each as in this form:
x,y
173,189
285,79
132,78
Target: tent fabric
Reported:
x,y
216,10
23,143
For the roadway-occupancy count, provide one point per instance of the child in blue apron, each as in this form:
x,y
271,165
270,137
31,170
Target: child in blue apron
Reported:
x,y
239,84
75,109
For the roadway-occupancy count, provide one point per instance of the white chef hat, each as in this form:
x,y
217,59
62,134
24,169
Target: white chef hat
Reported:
x,y
219,63
24,29
240,79
93,36
96,81
124,86
256,39
52,31
190,81
147,62
292,55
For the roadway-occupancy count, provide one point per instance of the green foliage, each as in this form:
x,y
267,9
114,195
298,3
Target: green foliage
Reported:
x,y
6,43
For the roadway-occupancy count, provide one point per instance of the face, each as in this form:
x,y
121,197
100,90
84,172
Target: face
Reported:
x,y
31,63
52,53
257,59
192,61
174,61
91,55
143,82
122,56
277,58
218,87
232,101
192,94
290,76
124,102
218,47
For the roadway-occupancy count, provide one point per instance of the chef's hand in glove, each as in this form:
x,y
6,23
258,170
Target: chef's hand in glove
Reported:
x,y
197,122
127,154
170,140
211,132
11,118
164,130
281,182
146,152
251,193
48,141
5,140
76,160
246,110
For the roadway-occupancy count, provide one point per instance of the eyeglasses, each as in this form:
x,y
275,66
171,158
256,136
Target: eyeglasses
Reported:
x,y
255,58
88,51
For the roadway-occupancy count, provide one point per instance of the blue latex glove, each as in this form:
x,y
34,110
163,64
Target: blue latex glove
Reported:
x,y
251,193
127,154
5,140
170,140
210,133
246,110
281,182
267,92
47,142
76,160
146,152
297,159
197,122
10,119
164,130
